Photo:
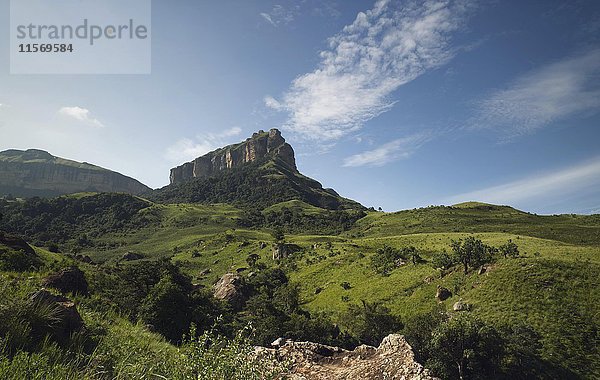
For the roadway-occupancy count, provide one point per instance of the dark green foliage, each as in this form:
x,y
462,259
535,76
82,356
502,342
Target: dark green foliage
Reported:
x,y
370,322
509,249
254,186
442,260
292,220
274,311
159,294
59,220
465,348
472,253
388,258
167,308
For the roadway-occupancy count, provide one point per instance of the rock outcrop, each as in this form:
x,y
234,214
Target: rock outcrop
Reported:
x,y
230,288
261,145
16,243
393,359
68,319
69,280
38,173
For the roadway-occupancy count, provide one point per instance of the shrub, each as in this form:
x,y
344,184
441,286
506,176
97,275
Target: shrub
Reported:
x,y
370,322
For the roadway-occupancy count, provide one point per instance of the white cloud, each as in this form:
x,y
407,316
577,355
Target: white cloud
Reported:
x,y
557,184
543,96
80,114
188,149
389,152
272,103
383,49
280,15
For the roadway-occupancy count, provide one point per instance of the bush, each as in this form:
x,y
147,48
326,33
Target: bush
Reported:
x,y
370,322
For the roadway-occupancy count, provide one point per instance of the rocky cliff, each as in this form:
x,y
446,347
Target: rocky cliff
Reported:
x,y
260,146
38,173
393,359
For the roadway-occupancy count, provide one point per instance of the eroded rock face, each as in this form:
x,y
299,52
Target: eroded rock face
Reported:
x,y
260,145
38,173
230,288
393,359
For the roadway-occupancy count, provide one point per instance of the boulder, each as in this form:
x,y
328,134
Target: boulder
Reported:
x,y
131,256
461,306
230,288
442,293
68,319
70,280
282,250
16,243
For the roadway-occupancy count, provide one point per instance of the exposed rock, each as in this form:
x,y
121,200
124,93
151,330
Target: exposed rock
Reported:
x,y
482,270
282,250
278,342
461,306
442,293
38,173
131,256
16,243
70,280
230,288
262,245
68,319
260,145
393,359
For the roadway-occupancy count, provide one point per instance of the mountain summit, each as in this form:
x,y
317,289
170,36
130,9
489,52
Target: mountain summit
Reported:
x,y
257,173
262,145
35,172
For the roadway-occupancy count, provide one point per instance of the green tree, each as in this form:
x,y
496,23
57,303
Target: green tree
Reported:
x,y
442,260
411,253
167,308
371,322
510,249
465,348
384,260
472,252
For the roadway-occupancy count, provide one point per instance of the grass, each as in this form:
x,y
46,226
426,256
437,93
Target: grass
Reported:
x,y
554,287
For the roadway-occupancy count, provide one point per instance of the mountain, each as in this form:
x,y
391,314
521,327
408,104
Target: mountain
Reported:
x,y
258,172
36,172
262,145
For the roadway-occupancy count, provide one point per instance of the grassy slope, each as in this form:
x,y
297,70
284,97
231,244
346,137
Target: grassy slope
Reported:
x,y
554,288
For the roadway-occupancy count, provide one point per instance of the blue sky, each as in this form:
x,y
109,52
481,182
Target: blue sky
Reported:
x,y
397,104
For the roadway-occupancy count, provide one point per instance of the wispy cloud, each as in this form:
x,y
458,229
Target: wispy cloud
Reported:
x,y
80,114
280,15
543,96
383,49
563,182
389,152
187,149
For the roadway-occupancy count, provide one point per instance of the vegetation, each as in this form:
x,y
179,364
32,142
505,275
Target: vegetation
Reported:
x,y
343,285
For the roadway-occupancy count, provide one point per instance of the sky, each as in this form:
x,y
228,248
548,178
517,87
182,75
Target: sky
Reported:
x,y
396,104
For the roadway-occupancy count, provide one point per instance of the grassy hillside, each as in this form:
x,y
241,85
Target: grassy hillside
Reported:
x,y
552,286
480,217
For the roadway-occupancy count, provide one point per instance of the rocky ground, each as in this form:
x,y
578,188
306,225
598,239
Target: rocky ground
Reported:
x,y
393,359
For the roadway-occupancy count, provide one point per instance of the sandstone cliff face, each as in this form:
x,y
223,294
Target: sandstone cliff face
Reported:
x,y
38,173
260,145
393,359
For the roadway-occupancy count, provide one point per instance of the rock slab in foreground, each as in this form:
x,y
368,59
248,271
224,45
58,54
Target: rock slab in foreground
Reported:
x,y
393,359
